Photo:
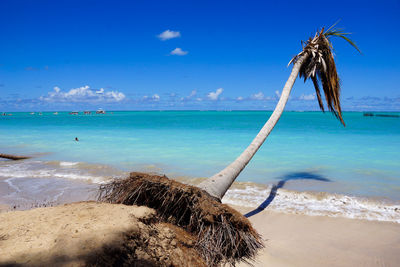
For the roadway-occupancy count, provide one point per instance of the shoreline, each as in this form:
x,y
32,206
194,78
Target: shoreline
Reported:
x,y
46,183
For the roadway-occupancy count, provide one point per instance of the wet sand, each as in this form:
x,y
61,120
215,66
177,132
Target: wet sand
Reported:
x,y
28,193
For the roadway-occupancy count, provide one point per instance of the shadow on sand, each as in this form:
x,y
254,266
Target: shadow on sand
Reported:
x,y
281,183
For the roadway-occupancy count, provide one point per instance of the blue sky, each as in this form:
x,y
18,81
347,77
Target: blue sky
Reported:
x,y
72,55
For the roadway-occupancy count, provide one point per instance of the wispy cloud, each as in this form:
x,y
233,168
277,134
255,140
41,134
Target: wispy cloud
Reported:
x,y
168,34
83,95
179,52
307,97
30,68
190,96
215,95
258,96
153,98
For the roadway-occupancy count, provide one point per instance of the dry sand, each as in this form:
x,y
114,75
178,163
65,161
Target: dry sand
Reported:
x,y
300,240
71,234
92,233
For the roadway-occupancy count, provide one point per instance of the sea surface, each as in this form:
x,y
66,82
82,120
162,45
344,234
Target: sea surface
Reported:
x,y
309,164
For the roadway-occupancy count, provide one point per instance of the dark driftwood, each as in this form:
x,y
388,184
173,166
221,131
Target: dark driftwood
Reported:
x,y
13,157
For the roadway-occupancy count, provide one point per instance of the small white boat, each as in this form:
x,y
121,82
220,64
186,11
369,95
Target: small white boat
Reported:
x,y
100,111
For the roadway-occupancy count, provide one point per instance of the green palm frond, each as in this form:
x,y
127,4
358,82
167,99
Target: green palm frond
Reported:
x,y
340,33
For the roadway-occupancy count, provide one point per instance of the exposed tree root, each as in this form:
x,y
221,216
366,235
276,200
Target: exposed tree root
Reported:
x,y
223,234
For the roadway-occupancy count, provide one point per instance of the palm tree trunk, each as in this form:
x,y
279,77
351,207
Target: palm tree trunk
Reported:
x,y
218,184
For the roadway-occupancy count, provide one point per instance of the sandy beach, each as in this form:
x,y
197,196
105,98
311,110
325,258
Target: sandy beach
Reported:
x,y
92,234
33,236
300,240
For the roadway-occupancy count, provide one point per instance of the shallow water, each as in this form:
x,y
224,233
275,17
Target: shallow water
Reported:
x,y
310,151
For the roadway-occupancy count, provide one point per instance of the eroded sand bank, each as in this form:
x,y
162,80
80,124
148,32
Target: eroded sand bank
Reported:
x,y
90,233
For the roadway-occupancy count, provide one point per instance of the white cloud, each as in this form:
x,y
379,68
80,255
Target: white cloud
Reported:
x,y
278,94
214,95
192,94
308,97
154,98
189,97
179,52
166,35
83,94
258,96
240,98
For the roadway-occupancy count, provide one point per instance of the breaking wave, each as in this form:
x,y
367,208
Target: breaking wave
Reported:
x,y
252,195
94,173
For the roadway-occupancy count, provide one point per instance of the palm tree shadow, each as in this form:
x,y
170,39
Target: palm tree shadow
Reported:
x,y
281,183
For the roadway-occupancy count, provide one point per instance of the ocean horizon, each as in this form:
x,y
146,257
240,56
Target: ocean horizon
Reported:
x,y
350,171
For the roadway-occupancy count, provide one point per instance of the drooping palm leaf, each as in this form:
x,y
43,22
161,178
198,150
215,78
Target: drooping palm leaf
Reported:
x,y
341,34
319,66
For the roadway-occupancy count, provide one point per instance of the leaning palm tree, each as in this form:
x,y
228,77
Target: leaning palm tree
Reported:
x,y
221,234
315,62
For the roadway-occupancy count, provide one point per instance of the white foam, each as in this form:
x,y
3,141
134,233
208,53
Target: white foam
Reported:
x,y
9,182
67,163
316,204
38,169
242,194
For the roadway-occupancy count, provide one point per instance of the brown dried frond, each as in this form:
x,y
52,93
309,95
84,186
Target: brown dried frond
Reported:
x,y
319,65
223,234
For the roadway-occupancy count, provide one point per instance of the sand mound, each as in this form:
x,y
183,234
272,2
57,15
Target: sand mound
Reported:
x,y
223,234
93,234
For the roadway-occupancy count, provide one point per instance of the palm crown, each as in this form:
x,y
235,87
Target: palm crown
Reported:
x,y
320,67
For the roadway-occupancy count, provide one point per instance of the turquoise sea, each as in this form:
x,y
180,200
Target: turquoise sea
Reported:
x,y
310,151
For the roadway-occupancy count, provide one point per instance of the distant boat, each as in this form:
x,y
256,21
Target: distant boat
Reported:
x,y
367,114
55,113
87,112
32,113
100,111
40,114
74,113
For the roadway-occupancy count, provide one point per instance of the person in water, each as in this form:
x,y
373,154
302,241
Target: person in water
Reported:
x,y
76,139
